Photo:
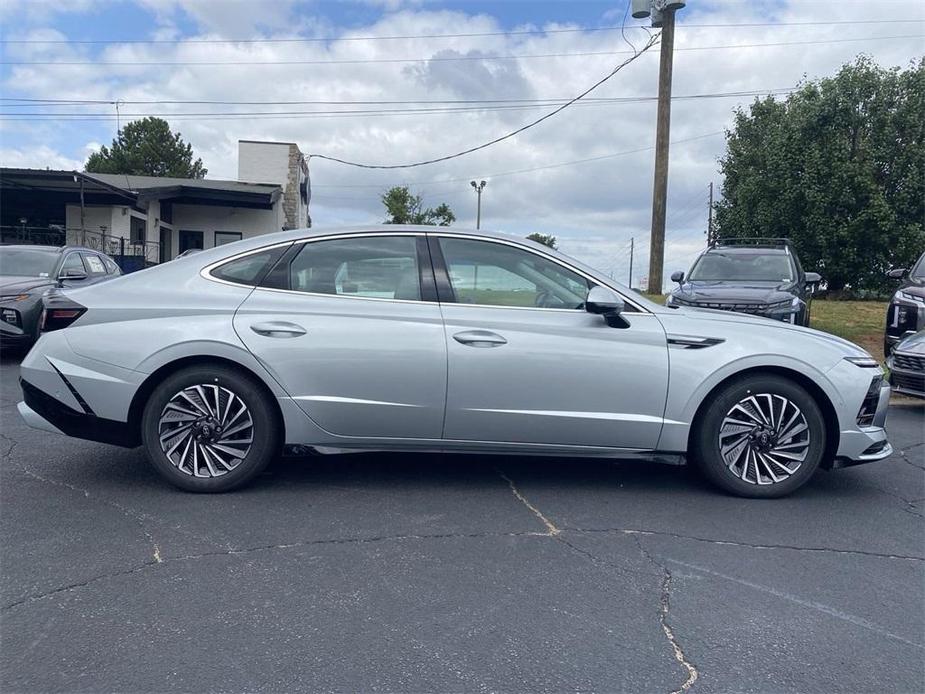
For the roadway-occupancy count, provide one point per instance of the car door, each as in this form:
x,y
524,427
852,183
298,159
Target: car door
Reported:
x,y
528,364
350,327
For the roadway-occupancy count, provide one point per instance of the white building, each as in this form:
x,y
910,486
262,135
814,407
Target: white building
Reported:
x,y
153,219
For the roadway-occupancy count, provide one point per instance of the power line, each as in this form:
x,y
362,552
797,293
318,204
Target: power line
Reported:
x,y
549,101
463,58
651,42
267,115
524,32
532,169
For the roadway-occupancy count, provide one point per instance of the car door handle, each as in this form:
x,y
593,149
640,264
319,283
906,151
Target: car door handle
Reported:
x,y
278,329
479,338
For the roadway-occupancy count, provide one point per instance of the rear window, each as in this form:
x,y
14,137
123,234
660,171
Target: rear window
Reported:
x,y
250,269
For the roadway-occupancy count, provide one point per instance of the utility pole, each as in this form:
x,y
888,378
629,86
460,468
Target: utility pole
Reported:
x,y
663,17
479,187
632,243
710,217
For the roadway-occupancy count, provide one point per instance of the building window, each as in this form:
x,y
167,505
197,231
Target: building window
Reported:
x,y
137,228
223,237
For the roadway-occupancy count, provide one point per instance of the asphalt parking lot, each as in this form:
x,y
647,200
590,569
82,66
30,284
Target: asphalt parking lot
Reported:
x,y
427,573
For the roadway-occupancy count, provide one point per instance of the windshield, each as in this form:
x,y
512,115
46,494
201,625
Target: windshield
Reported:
x,y
918,272
762,267
27,262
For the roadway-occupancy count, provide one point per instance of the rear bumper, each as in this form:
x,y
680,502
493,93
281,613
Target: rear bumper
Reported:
x,y
42,411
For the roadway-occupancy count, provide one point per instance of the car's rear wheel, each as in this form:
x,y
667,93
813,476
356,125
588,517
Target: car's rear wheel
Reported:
x,y
209,429
760,436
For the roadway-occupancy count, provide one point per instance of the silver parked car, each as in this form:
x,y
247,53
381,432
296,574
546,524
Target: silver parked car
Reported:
x,y
430,339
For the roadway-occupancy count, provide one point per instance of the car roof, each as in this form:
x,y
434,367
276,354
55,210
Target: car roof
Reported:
x,y
747,250
50,249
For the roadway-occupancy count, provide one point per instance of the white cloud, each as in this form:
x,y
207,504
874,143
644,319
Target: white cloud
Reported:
x,y
40,157
594,208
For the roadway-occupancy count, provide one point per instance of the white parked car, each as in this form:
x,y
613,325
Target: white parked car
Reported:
x,y
432,339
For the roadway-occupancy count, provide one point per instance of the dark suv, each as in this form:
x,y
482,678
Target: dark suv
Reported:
x,y
906,313
750,275
27,273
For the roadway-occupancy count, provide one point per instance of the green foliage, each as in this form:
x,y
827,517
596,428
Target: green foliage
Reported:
x,y
838,168
403,207
147,147
545,239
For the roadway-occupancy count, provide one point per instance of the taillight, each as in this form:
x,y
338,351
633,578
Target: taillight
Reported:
x,y
59,312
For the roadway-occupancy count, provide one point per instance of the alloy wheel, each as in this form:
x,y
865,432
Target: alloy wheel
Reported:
x,y
205,430
764,439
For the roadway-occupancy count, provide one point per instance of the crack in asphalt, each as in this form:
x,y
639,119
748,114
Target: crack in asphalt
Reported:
x,y
821,607
128,513
665,609
750,545
664,598
261,548
904,457
551,529
139,517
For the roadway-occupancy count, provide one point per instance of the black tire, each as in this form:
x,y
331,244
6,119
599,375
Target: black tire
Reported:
x,y
218,381
706,451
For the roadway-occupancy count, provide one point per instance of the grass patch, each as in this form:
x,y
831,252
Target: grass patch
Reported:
x,y
861,322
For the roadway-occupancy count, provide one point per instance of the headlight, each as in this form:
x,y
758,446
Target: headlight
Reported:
x,y
864,362
669,300
787,304
14,297
910,297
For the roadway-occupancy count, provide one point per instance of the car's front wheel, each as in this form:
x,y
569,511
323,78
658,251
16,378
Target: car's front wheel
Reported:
x,y
760,436
209,429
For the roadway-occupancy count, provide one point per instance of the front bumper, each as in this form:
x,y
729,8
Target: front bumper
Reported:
x,y
865,444
908,381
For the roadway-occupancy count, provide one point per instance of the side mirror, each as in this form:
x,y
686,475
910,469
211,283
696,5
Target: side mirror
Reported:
x,y
606,303
813,278
677,276
73,274
897,274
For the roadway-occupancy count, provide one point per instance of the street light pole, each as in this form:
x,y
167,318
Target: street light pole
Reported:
x,y
479,187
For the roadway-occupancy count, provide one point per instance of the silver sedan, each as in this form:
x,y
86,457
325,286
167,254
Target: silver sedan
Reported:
x,y
431,339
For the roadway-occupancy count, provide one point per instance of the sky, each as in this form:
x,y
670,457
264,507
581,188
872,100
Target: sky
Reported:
x,y
464,73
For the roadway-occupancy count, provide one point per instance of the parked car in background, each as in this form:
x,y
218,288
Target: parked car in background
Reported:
x,y
759,276
27,273
409,338
907,365
906,312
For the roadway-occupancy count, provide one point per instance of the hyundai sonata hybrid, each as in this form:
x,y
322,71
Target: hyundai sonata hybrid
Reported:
x,y
407,338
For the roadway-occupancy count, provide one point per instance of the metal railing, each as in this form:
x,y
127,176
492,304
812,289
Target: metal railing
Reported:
x,y
129,255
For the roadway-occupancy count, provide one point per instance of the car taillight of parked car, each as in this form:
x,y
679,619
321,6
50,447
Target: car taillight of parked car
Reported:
x,y
59,312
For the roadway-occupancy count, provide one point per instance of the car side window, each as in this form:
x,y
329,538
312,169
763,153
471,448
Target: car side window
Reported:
x,y
111,266
94,264
249,269
488,273
72,262
378,267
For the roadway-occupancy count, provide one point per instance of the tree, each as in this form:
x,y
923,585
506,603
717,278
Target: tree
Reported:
x,y
147,147
545,239
403,207
838,169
